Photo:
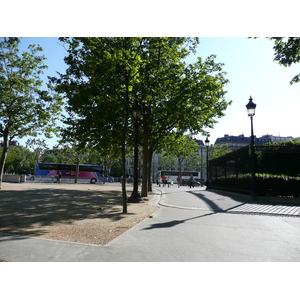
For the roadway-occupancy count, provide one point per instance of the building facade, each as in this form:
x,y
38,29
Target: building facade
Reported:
x,y
237,142
11,143
275,139
156,166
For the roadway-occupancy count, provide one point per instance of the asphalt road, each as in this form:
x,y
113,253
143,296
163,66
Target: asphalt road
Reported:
x,y
193,225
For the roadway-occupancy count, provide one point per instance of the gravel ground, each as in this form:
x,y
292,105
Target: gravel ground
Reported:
x,y
82,213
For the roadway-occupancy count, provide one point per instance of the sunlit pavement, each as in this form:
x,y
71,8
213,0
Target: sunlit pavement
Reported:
x,y
200,199
192,225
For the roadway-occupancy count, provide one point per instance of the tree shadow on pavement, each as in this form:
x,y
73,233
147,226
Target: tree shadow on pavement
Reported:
x,y
213,203
176,222
215,209
28,211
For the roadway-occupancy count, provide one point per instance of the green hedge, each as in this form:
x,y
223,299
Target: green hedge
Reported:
x,y
266,184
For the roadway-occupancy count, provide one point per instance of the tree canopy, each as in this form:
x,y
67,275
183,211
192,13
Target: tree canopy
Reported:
x,y
283,160
287,52
25,108
106,77
183,148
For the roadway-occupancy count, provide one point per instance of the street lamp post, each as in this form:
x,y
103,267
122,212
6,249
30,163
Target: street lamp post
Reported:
x,y
135,195
207,145
251,112
201,164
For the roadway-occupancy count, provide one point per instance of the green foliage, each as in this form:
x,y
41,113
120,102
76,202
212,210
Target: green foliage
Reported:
x,y
287,52
166,162
277,169
38,147
70,154
280,161
182,149
107,76
104,71
218,150
192,162
97,84
25,109
19,160
266,184
180,146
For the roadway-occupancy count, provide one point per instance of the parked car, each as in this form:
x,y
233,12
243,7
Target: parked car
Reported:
x,y
200,181
29,177
196,182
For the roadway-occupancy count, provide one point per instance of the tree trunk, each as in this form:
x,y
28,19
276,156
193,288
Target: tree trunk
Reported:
x,y
77,170
145,162
4,154
150,178
124,192
145,172
123,154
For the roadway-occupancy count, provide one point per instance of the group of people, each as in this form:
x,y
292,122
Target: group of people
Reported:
x,y
166,181
191,181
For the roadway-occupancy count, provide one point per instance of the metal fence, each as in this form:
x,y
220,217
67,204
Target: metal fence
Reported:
x,y
277,170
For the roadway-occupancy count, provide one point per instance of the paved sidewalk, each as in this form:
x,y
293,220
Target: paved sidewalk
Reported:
x,y
21,248
193,209
200,199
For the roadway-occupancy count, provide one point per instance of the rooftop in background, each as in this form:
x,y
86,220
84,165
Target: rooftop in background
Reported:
x,y
11,143
241,139
199,142
237,142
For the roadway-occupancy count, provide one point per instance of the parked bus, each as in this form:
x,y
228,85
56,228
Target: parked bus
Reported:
x,y
91,173
172,175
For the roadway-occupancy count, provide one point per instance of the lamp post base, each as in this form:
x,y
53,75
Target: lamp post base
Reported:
x,y
135,198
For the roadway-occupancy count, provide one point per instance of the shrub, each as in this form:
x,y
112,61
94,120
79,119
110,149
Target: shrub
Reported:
x,y
266,184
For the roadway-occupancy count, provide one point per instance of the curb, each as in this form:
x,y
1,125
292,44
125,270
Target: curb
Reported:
x,y
258,199
162,200
163,197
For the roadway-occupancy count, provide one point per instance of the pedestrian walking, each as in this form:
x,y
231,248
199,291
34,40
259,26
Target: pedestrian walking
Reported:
x,y
168,181
191,181
59,177
158,180
178,181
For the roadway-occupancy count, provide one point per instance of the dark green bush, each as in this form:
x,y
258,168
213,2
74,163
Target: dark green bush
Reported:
x,y
266,184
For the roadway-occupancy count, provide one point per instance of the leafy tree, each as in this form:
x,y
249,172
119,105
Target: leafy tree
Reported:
x,y
281,161
48,157
25,109
192,162
98,85
38,146
183,148
176,96
20,160
218,150
115,168
107,76
167,161
287,52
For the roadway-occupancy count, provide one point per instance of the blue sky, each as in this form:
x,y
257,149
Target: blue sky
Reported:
x,y
251,71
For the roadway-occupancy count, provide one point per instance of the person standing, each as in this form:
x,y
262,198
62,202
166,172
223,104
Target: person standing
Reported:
x,y
168,181
158,180
191,181
178,181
